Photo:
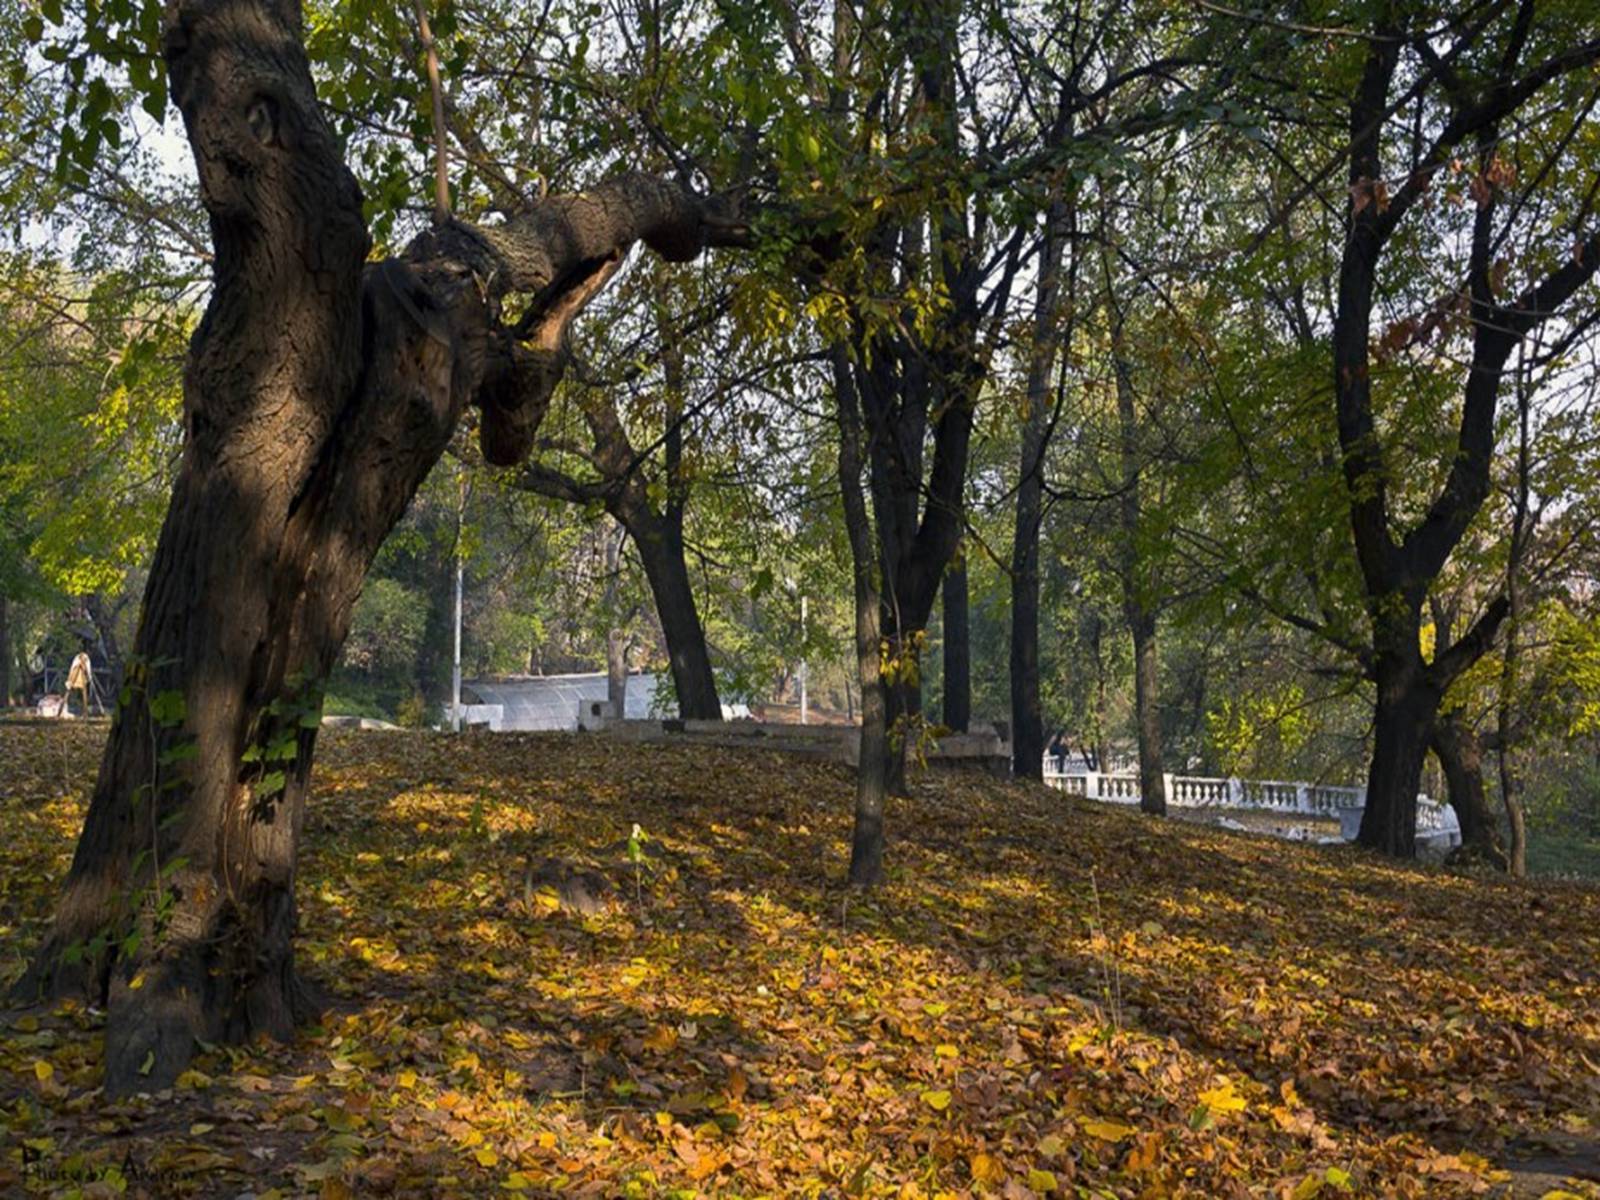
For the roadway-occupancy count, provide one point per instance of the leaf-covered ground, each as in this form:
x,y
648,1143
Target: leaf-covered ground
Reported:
x,y
1048,998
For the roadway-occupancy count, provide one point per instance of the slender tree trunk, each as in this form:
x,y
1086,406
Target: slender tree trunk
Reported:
x,y
1027,713
903,704
661,550
1136,605
872,764
1461,758
1147,717
1510,783
5,653
616,635
957,648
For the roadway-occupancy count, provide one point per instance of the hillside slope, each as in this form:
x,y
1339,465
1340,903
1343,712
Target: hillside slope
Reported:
x,y
1048,998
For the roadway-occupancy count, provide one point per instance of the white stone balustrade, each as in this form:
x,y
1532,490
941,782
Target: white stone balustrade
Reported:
x,y
1437,825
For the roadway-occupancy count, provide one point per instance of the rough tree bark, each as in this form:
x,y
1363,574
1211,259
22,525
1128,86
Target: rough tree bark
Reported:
x,y
957,648
1460,754
872,769
318,392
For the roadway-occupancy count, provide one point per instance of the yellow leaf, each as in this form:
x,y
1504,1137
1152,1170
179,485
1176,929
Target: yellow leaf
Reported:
x,y
485,1156
1051,1145
1222,1099
935,1009
662,1039
406,1079
1043,1182
986,1168
42,1070
945,1050
937,1100
339,1119
1108,1131
192,1080
517,1182
1307,1188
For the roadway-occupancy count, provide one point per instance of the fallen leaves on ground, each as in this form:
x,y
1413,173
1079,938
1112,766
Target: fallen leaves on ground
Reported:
x,y
1047,998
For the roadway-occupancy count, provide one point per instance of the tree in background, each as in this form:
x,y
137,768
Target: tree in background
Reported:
x,y
1486,108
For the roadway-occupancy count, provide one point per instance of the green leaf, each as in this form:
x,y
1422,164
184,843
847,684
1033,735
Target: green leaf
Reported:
x,y
168,708
270,784
182,752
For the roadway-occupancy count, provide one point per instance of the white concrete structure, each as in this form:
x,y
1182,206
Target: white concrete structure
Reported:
x,y
1437,826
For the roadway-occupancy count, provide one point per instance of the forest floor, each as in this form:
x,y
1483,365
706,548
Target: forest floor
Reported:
x,y
1047,998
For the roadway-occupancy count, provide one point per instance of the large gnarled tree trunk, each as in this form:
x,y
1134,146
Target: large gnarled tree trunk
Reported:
x,y
319,392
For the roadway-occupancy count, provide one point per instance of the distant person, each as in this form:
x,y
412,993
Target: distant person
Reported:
x,y
1058,752
80,678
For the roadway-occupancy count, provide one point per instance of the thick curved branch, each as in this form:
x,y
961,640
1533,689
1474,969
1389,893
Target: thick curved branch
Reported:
x,y
560,254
